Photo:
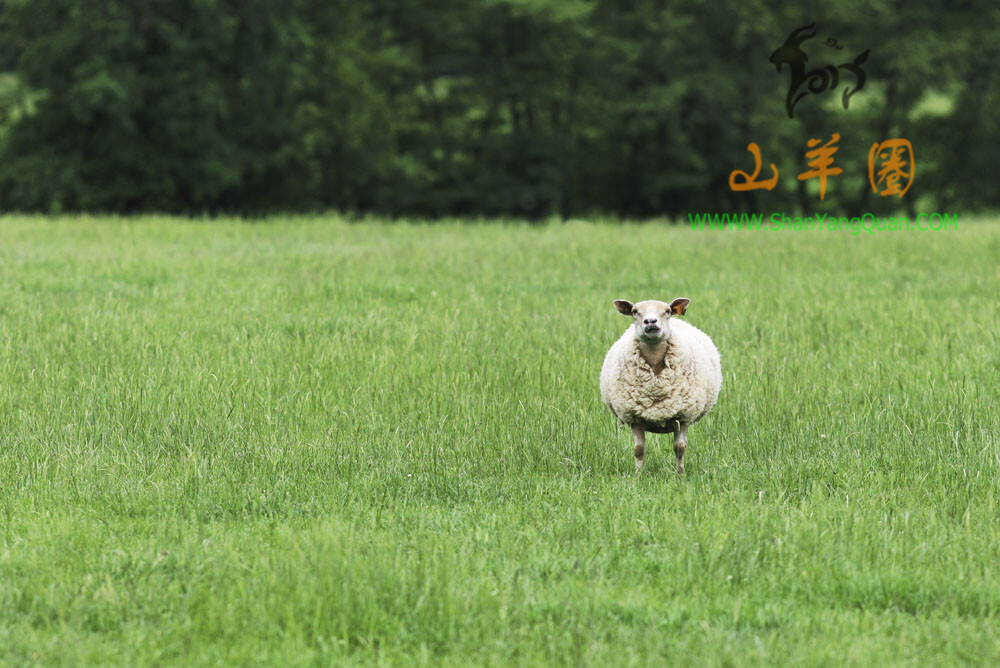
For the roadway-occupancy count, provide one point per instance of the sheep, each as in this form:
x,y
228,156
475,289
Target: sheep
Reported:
x,y
662,375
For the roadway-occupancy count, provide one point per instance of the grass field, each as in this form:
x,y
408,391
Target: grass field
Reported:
x,y
308,442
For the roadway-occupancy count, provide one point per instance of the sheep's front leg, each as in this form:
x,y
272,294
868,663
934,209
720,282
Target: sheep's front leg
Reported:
x,y
680,445
639,434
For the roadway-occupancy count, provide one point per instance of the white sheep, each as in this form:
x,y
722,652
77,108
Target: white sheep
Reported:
x,y
662,375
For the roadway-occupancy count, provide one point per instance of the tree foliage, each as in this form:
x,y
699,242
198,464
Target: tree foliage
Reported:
x,y
489,107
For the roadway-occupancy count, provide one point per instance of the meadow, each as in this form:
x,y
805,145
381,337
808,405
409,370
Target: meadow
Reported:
x,y
308,441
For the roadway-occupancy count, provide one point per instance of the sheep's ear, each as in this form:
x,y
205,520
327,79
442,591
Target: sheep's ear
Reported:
x,y
624,306
679,305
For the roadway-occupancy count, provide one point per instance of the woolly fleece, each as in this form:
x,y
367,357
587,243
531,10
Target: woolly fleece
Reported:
x,y
685,390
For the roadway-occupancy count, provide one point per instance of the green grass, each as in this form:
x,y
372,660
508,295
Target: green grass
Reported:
x,y
309,442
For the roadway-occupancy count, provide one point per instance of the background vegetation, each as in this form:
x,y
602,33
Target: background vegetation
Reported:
x,y
523,107
238,444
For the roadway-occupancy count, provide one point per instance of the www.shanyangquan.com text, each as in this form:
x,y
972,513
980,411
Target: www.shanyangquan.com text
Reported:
x,y
870,223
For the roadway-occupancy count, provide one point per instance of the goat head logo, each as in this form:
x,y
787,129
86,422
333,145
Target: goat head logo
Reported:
x,y
818,80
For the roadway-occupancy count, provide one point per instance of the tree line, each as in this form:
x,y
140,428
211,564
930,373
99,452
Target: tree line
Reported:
x,y
524,108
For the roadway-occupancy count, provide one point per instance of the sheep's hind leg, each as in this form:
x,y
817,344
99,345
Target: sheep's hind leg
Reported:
x,y
639,434
680,445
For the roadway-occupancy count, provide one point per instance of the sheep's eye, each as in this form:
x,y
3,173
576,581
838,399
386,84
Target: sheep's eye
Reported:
x,y
635,312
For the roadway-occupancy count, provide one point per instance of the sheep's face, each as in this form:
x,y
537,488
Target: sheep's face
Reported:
x,y
652,317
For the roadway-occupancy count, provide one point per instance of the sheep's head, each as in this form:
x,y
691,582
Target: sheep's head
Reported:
x,y
652,318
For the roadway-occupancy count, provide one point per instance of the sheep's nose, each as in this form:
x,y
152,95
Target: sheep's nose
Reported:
x,y
649,321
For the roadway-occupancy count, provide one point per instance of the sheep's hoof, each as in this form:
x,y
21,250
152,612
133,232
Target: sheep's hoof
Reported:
x,y
638,468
